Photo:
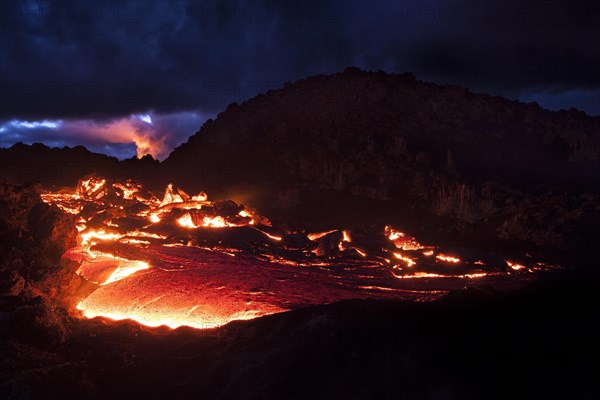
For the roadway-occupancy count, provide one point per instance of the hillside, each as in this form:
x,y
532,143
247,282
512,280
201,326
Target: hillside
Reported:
x,y
374,131
382,148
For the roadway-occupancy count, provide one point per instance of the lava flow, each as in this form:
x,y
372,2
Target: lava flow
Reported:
x,y
186,260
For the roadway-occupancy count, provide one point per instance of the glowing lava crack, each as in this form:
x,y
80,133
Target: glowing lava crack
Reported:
x,y
185,260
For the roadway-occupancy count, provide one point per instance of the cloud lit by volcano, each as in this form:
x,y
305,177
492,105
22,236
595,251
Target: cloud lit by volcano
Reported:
x,y
96,65
136,135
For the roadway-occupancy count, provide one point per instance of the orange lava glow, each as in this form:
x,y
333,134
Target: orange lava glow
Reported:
x,y
124,270
515,266
445,258
434,275
92,187
216,222
104,268
346,236
186,221
191,316
64,201
187,261
88,237
409,261
359,251
247,214
172,196
318,235
277,238
419,275
401,240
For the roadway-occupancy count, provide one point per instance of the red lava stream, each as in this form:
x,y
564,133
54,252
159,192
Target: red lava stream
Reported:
x,y
185,260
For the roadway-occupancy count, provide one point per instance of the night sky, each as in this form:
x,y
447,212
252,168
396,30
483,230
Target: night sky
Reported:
x,y
145,75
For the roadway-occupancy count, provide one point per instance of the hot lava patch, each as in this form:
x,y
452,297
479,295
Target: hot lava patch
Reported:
x,y
185,260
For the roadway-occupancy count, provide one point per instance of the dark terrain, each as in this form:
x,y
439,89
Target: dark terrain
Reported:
x,y
438,161
354,149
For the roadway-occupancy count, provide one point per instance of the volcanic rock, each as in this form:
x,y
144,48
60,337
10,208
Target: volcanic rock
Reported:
x,y
371,133
34,237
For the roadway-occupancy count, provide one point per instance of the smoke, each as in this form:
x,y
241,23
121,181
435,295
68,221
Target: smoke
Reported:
x,y
154,134
148,138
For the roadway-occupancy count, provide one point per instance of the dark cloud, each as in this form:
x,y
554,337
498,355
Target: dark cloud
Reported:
x,y
514,47
106,60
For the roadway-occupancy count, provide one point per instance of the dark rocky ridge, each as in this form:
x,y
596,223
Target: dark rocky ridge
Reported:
x,y
38,163
374,132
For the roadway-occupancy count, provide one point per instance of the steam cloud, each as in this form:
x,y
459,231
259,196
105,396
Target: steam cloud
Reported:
x,y
140,134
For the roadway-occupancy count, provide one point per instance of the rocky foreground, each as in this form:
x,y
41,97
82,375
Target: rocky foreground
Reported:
x,y
476,343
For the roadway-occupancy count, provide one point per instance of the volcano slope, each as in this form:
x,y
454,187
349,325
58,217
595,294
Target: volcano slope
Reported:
x,y
364,149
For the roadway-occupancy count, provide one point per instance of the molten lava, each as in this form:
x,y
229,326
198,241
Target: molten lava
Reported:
x,y
450,259
186,260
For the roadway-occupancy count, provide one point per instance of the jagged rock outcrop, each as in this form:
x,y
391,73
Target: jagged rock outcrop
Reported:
x,y
385,135
36,286
33,234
